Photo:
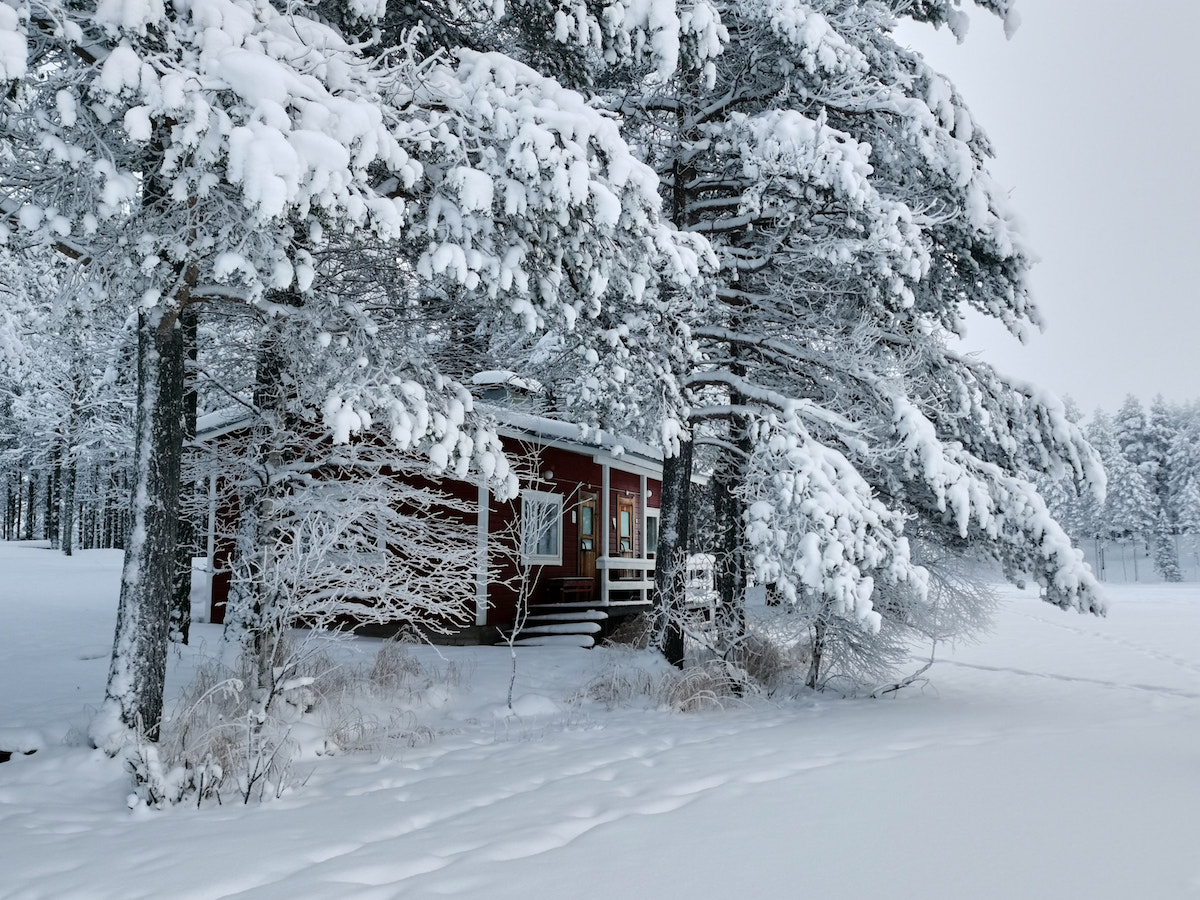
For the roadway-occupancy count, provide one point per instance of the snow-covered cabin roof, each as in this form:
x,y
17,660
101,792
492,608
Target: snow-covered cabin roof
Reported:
x,y
502,378
222,421
620,450
571,436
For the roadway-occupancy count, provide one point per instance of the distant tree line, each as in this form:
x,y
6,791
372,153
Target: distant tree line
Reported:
x,y
1152,503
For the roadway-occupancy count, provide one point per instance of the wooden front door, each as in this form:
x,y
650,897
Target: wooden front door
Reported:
x,y
589,520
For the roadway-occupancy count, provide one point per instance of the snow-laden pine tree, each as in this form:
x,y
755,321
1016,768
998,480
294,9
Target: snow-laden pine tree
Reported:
x,y
203,152
844,186
1189,516
1162,424
1129,431
1183,456
1145,440
1128,509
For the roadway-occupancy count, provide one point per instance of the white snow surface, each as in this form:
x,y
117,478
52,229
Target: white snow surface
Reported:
x,y
1058,758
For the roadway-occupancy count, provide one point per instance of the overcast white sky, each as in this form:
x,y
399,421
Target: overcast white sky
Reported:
x,y
1094,111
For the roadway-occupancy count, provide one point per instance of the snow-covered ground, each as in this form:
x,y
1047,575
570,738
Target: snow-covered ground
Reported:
x,y
1059,758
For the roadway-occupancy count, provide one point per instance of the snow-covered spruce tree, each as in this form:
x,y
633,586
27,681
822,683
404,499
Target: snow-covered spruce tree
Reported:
x,y
1183,451
1128,509
1162,424
1129,431
844,186
1166,553
1145,440
1184,466
1189,516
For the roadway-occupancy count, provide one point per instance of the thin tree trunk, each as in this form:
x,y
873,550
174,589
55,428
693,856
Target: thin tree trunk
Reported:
x,y
30,507
53,481
134,696
18,501
818,652
67,489
112,504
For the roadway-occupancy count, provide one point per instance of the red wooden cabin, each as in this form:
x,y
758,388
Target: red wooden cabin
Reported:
x,y
587,517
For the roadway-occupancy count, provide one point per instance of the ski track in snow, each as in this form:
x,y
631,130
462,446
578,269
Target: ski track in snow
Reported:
x,y
1190,665
1152,688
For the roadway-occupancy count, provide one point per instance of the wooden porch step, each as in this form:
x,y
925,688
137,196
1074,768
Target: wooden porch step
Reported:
x,y
562,628
586,641
543,614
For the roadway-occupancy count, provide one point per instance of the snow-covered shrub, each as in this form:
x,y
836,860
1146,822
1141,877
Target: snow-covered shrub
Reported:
x,y
222,741
764,660
393,666
712,685
619,684
634,632
225,741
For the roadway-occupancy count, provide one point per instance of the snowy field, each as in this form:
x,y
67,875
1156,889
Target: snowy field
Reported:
x,y
1059,758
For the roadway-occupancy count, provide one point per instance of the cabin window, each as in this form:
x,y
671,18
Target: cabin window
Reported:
x,y
541,528
651,533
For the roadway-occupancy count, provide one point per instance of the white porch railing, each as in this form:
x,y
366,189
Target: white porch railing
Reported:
x,y
640,579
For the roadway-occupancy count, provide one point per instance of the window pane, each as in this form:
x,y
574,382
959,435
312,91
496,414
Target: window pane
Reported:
x,y
651,535
541,527
547,544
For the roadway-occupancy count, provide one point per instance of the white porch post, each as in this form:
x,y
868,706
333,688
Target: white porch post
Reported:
x,y
211,547
481,557
604,532
642,526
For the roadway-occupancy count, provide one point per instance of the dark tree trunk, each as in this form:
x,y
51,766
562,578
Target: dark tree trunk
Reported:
x,y
67,489
670,576
18,505
112,506
181,606
731,555
53,482
818,652
30,507
134,697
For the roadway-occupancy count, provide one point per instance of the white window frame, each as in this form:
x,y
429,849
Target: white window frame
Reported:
x,y
545,507
651,513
